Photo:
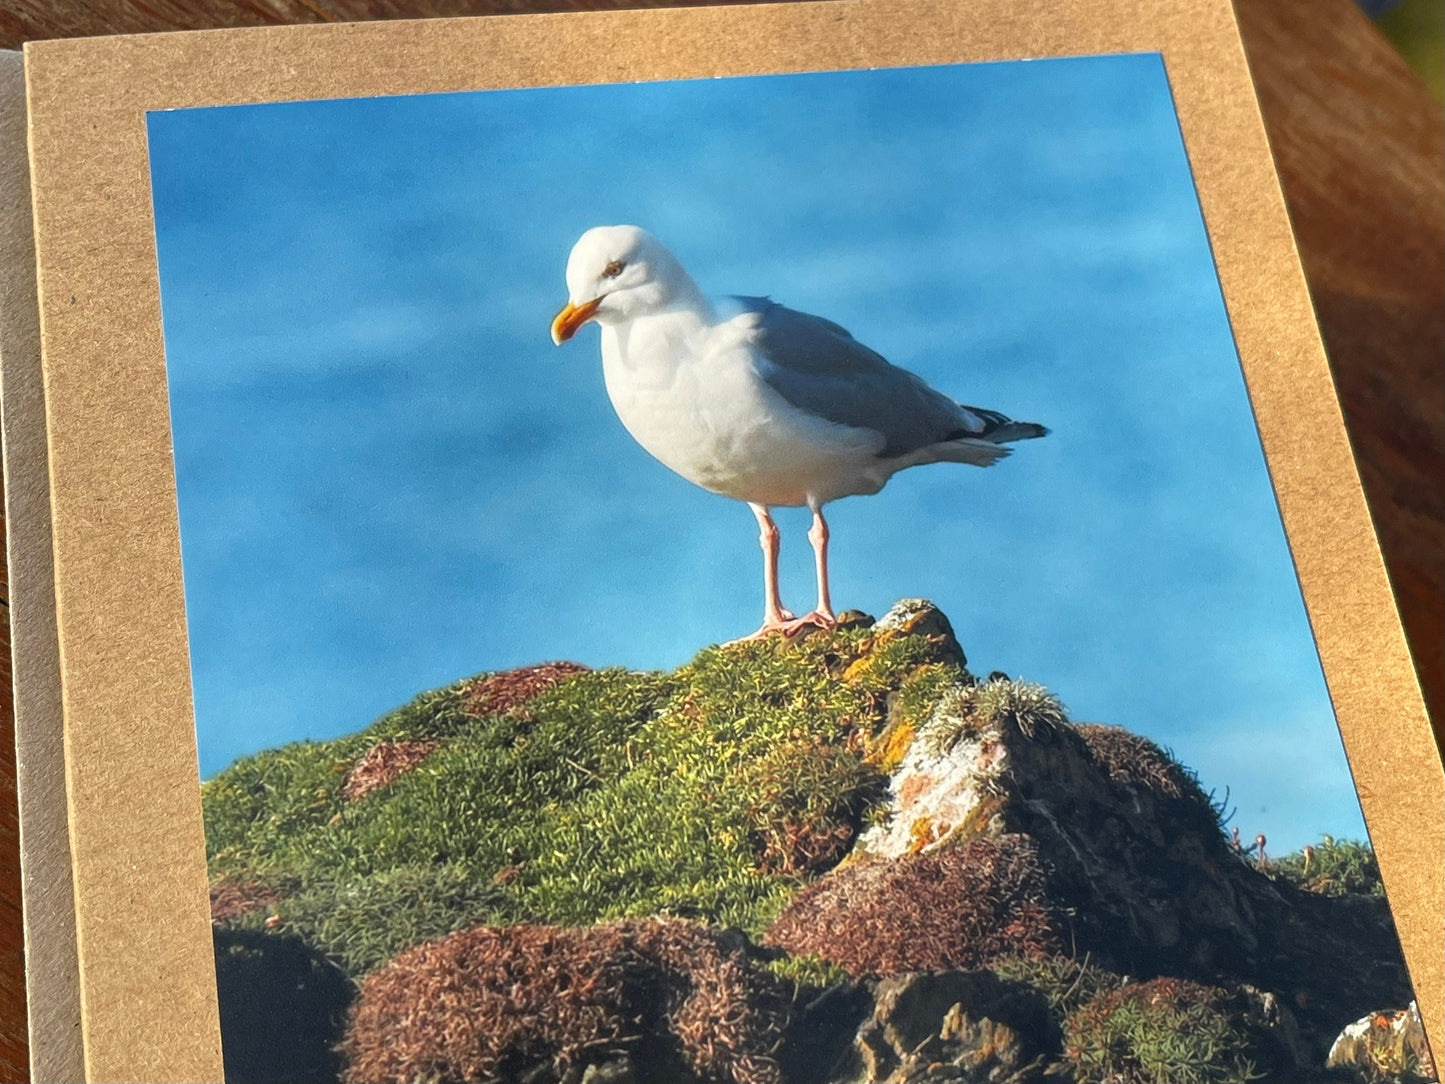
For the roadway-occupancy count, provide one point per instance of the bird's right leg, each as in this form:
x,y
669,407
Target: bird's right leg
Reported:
x,y
769,538
823,617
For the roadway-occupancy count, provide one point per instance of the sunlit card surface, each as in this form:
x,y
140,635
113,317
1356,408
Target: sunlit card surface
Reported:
x,y
608,657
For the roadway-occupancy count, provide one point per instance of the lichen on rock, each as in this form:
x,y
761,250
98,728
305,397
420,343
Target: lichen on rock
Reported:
x,y
1385,1046
944,787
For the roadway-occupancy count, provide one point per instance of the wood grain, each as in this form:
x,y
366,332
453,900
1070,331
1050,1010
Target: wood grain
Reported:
x,y
1361,155
1360,147
14,1048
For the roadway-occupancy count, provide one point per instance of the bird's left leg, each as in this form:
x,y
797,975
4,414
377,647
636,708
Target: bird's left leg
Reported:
x,y
822,616
774,616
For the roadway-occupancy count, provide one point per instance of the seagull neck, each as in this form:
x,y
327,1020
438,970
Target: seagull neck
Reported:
x,y
658,340
687,298
685,312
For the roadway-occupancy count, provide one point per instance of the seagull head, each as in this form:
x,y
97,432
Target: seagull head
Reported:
x,y
616,274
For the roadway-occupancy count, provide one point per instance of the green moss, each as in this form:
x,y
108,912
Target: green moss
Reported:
x,y
437,713
884,657
1332,868
256,807
362,922
712,792
282,812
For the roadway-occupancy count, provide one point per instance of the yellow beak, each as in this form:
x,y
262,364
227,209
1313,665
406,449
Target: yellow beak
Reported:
x,y
566,322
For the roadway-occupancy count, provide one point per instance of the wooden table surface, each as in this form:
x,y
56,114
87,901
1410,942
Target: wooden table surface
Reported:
x,y
1360,147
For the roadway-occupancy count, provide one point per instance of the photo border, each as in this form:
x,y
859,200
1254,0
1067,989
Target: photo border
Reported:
x,y
147,990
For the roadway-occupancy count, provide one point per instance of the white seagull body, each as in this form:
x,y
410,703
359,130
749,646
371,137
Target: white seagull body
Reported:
x,y
758,402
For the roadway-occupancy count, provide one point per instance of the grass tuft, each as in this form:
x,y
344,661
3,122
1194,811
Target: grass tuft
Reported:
x,y
1332,868
968,709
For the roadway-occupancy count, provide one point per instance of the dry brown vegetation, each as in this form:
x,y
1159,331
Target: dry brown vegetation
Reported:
x,y
382,763
509,690
683,1001
1136,761
231,900
954,909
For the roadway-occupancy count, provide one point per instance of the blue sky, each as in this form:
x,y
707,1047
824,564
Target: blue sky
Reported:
x,y
389,478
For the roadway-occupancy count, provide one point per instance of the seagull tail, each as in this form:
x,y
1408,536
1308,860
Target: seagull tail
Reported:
x,y
1000,428
986,448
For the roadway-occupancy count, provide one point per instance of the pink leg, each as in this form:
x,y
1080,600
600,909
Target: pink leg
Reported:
x,y
774,616
823,616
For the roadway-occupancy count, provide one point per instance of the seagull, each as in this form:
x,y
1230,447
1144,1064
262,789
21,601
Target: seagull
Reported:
x,y
758,402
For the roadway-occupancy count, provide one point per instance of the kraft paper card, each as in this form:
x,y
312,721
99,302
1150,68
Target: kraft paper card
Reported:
x,y
507,587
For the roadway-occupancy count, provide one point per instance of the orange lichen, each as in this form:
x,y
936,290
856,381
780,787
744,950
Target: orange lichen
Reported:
x,y
913,788
859,667
921,833
892,745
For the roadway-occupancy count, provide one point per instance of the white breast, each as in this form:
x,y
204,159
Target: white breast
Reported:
x,y
691,395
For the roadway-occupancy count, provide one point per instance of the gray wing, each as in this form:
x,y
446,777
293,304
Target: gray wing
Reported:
x,y
819,367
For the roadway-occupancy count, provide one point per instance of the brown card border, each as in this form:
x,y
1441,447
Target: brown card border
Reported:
x,y
52,980
147,991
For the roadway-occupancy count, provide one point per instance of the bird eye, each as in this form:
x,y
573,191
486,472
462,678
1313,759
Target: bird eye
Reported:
x,y
613,269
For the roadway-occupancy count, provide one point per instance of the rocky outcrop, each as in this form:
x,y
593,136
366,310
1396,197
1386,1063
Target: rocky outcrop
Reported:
x,y
830,858
954,1027
1385,1046
1010,830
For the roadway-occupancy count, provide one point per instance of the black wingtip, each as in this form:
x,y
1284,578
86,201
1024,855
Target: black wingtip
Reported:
x,y
1017,431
